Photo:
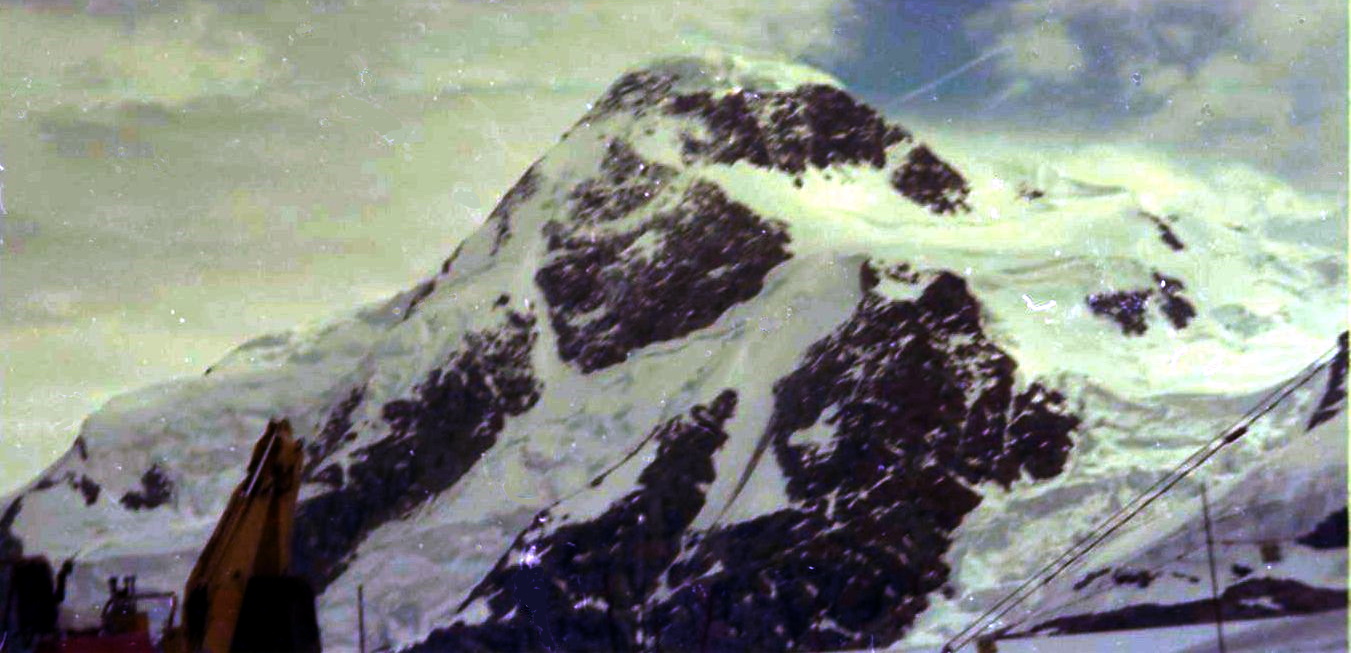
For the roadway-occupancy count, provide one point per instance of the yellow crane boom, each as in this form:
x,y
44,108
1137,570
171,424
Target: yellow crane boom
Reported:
x,y
241,595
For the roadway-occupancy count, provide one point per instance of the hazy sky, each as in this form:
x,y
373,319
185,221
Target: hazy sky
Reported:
x,y
183,175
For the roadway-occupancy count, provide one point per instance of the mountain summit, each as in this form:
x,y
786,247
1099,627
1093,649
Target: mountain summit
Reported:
x,y
739,364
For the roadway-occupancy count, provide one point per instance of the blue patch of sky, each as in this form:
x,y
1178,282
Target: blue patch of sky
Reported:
x,y
907,45
902,45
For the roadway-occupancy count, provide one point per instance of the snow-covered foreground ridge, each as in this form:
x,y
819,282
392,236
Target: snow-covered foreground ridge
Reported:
x,y
737,365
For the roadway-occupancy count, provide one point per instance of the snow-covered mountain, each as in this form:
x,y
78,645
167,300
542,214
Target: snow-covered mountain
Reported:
x,y
737,365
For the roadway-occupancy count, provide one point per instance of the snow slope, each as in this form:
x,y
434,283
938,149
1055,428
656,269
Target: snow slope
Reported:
x,y
738,364
1324,632
1278,536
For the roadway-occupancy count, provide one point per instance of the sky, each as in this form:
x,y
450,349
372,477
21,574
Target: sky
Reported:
x,y
181,176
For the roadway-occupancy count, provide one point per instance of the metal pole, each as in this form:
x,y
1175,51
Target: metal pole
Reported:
x,y
1214,583
361,617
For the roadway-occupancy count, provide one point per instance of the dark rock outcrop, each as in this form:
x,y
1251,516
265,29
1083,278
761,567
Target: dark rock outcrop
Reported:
x,y
930,181
336,431
609,295
812,125
1126,308
434,439
1334,397
1331,533
582,586
156,490
1254,598
1130,308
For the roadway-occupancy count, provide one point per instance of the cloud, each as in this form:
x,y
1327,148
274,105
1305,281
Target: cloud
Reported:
x,y
1259,82
1045,52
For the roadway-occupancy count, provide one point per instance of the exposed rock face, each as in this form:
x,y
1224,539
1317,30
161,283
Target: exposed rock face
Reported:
x,y
927,180
919,408
1166,233
583,586
435,438
627,183
634,93
1250,599
337,429
1176,307
610,295
1129,308
1126,308
1331,533
1333,401
501,216
817,126
739,365
156,490
86,486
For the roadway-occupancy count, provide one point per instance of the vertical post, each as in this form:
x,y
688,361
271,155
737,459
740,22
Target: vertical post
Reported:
x,y
361,617
1214,583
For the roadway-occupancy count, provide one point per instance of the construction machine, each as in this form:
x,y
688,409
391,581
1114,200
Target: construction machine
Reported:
x,y
241,596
